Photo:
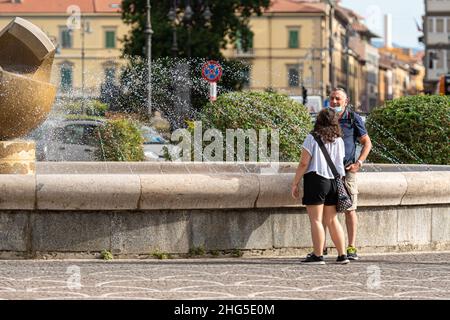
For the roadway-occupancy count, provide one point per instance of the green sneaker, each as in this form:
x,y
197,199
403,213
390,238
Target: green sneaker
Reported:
x,y
351,253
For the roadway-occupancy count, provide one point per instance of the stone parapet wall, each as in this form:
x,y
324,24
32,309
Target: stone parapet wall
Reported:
x,y
204,190
217,207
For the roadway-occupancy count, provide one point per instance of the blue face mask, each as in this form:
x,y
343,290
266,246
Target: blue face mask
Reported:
x,y
338,109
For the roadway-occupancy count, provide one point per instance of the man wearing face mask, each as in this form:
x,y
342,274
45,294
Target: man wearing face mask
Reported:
x,y
353,129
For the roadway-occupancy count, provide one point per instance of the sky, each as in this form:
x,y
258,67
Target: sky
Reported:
x,y
404,14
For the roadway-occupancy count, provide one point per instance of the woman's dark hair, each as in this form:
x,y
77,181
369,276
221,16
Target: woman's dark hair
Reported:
x,y
327,125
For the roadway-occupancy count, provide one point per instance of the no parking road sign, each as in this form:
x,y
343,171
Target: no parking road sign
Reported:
x,y
212,72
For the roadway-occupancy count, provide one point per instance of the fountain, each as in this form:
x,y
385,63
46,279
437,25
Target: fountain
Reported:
x,y
76,209
26,95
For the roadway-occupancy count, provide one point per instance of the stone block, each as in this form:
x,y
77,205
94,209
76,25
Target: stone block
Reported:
x,y
198,191
440,226
147,232
291,228
231,229
275,191
87,192
427,188
380,189
376,227
64,167
17,191
13,231
414,225
71,231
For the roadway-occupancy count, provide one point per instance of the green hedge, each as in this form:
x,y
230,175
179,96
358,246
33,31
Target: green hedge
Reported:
x,y
261,110
413,129
89,107
120,140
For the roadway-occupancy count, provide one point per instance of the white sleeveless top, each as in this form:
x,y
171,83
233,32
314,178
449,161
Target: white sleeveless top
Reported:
x,y
318,162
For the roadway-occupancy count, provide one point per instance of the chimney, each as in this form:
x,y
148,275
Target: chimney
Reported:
x,y
388,30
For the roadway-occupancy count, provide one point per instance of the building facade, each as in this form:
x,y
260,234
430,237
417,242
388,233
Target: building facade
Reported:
x,y
437,42
289,49
86,34
311,45
401,73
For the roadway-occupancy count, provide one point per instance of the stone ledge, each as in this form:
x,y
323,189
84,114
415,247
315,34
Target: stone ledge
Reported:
x,y
203,191
17,191
427,188
198,191
87,192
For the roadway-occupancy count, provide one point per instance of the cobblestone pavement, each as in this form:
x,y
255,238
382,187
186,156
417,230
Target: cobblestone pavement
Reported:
x,y
389,276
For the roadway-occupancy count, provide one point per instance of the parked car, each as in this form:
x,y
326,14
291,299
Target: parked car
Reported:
x,y
76,140
66,140
154,144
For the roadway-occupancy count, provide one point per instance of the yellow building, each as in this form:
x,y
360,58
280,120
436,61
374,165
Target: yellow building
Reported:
x,y
406,71
291,49
86,34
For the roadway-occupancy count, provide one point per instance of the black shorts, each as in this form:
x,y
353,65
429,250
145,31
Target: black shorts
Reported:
x,y
319,190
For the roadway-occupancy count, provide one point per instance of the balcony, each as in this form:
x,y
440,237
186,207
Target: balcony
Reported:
x,y
438,5
438,38
240,53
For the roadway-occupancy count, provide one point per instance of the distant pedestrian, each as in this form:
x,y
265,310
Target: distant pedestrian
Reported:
x,y
319,185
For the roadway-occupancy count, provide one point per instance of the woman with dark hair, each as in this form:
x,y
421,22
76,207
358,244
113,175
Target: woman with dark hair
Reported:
x,y
319,185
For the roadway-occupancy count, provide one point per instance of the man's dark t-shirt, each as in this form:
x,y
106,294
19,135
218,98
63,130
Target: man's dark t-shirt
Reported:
x,y
351,134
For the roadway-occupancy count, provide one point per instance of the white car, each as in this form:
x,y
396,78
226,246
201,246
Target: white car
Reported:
x,y
154,144
76,140
66,140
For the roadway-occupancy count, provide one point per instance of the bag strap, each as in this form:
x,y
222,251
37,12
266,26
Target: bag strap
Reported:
x,y
327,156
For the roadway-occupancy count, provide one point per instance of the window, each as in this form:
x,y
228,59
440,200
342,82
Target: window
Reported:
x,y
293,76
79,134
372,77
244,42
66,38
439,25
110,37
448,25
440,59
66,78
73,134
448,59
293,39
430,25
245,76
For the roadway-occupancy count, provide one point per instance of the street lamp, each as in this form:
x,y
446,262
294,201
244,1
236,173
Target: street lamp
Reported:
x,y
186,18
349,32
148,48
330,44
85,28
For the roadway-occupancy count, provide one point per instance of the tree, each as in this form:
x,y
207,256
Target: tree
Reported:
x,y
230,18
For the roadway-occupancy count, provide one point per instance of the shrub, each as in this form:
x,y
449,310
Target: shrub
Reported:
x,y
97,108
261,110
414,129
106,255
197,251
161,255
120,140
89,108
